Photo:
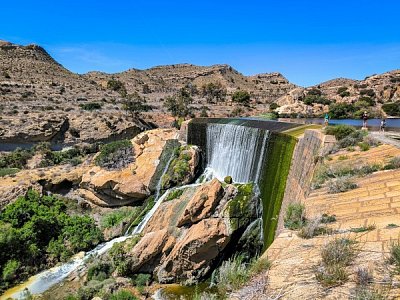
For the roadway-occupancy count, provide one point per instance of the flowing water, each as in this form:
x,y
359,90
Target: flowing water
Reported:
x,y
235,151
43,281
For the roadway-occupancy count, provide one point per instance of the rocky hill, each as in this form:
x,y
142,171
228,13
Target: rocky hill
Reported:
x,y
376,90
40,100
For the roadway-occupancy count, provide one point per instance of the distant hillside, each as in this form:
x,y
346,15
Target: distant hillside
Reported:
x,y
42,100
371,94
169,79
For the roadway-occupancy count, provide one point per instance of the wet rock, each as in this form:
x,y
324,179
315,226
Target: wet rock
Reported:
x,y
228,179
202,203
193,254
147,253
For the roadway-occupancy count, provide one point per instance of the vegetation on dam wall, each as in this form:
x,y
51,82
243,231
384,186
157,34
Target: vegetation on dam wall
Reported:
x,y
273,180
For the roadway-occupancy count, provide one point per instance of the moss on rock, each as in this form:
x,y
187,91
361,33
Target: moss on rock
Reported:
x,y
179,170
273,181
240,209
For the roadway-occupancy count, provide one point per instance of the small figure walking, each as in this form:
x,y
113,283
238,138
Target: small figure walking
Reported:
x,y
383,125
326,119
365,119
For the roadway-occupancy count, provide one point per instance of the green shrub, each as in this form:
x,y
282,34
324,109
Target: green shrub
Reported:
x,y
10,270
340,251
259,265
341,185
341,110
395,255
330,276
368,100
336,255
72,156
117,86
142,280
352,139
364,146
115,154
363,228
340,131
213,91
312,228
326,219
273,106
123,295
8,171
16,159
368,92
99,271
117,216
392,109
311,99
394,163
294,218
37,231
364,293
242,97
174,194
232,274
90,106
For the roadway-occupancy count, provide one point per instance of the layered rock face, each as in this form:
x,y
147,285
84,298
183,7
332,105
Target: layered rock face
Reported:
x,y
40,101
136,181
187,235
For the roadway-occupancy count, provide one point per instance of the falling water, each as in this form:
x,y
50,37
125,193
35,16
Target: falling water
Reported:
x,y
235,151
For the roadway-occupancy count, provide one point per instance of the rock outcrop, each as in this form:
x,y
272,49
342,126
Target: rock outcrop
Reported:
x,y
381,88
187,235
136,181
202,203
41,179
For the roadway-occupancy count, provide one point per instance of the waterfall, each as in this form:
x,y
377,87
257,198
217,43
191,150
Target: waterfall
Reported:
x,y
236,151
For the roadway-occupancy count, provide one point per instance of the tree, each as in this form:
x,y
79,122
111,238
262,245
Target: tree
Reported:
x,y
242,97
204,113
134,104
341,110
392,108
117,86
213,91
146,89
178,104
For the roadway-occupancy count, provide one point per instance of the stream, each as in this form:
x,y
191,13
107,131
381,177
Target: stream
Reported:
x,y
41,282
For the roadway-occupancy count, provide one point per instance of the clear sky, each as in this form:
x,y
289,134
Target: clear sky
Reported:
x,y
307,41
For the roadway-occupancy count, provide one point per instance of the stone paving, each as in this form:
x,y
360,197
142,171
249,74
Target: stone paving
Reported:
x,y
375,202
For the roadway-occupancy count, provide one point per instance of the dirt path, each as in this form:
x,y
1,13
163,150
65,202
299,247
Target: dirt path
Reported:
x,y
391,138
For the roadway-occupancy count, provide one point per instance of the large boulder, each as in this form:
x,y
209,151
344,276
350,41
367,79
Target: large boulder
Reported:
x,y
137,180
191,257
202,203
147,253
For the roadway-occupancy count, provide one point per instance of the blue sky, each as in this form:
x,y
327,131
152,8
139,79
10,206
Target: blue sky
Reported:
x,y
307,41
